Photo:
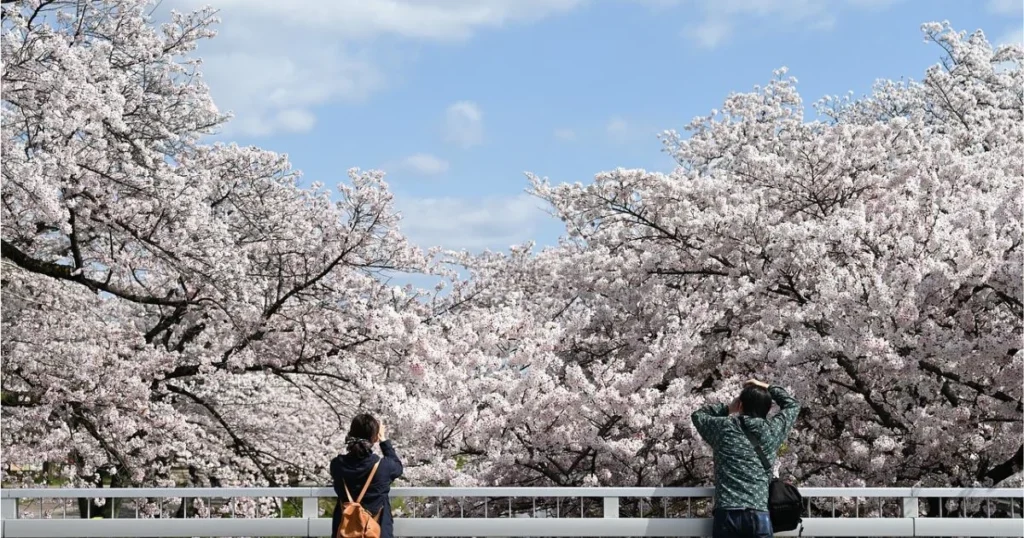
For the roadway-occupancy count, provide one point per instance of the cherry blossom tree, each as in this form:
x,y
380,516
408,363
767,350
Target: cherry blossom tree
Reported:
x,y
172,306
869,259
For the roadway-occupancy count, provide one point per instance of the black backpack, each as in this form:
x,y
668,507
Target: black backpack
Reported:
x,y
785,504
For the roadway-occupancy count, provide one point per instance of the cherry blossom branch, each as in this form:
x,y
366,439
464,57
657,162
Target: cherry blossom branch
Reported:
x,y
977,387
240,446
64,272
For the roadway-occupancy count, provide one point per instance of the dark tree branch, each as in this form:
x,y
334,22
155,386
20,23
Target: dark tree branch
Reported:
x,y
1008,468
861,388
977,387
241,446
64,272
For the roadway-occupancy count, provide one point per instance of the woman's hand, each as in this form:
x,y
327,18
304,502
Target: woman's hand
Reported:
x,y
381,434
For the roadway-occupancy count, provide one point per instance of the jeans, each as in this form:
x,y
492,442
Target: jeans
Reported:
x,y
741,523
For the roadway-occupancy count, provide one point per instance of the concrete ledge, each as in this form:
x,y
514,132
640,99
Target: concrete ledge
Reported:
x,y
153,528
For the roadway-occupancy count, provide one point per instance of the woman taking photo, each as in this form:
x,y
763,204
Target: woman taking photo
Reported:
x,y
352,469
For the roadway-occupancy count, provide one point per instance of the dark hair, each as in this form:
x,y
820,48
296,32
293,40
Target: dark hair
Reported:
x,y
756,401
361,435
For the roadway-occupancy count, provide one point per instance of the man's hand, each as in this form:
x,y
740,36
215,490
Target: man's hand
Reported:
x,y
756,383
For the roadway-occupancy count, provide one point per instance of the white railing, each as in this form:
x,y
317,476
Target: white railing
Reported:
x,y
499,512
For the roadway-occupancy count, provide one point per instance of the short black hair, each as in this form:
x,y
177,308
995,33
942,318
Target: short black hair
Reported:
x,y
362,434
756,401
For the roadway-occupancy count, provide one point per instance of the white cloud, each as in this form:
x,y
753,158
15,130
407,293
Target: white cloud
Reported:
x,y
296,119
565,134
873,4
418,19
425,164
274,63
708,34
1006,7
472,223
272,89
464,124
722,19
617,129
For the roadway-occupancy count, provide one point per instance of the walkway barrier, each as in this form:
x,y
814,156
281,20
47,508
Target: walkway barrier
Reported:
x,y
506,512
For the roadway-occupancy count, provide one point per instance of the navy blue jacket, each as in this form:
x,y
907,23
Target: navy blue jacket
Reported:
x,y
350,470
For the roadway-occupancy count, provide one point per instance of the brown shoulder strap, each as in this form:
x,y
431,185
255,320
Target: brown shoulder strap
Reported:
x,y
347,494
367,484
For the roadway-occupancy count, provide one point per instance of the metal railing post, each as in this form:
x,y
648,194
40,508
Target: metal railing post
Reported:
x,y
910,507
310,506
9,508
611,507
310,502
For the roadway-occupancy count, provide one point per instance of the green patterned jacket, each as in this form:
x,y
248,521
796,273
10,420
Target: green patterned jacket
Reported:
x,y
740,479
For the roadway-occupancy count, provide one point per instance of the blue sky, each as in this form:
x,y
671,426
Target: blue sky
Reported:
x,y
455,99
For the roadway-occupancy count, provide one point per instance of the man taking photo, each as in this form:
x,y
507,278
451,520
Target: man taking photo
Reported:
x,y
741,481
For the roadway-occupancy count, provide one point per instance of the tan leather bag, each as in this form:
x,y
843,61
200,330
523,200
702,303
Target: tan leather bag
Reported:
x,y
356,521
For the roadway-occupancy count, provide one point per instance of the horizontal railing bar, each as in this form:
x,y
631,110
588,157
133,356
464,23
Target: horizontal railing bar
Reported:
x,y
954,526
139,493
591,492
143,528
588,492
968,492
408,527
